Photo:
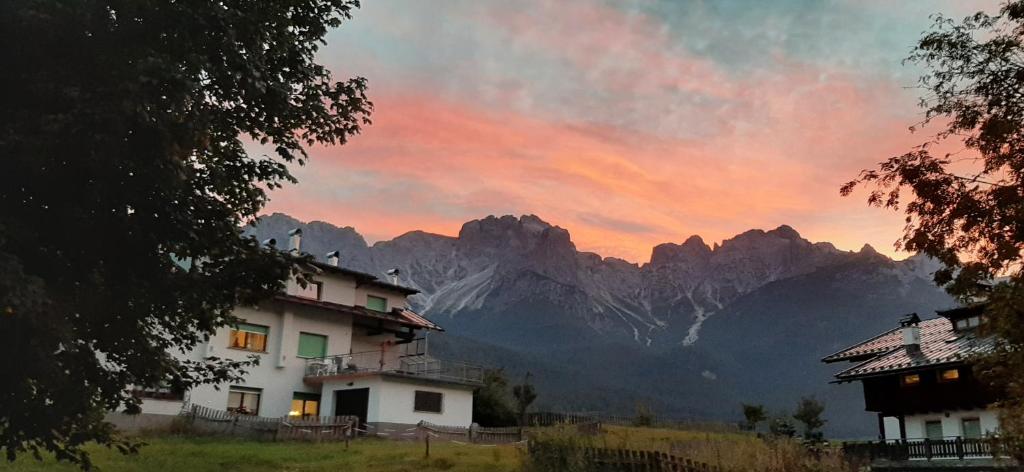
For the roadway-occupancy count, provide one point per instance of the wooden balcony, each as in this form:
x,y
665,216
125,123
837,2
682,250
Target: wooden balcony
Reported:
x,y
925,449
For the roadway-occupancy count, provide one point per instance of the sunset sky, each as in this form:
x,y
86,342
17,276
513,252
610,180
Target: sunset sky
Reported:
x,y
627,123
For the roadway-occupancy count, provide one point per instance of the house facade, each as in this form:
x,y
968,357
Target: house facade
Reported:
x,y
918,378
346,343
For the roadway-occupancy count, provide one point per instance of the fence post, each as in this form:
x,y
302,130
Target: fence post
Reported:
x,y
959,448
928,449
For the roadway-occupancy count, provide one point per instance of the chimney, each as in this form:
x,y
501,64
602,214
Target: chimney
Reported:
x,y
393,275
270,242
334,258
911,332
295,241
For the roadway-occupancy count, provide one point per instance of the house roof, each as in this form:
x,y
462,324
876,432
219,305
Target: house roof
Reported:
x,y
939,345
362,278
402,316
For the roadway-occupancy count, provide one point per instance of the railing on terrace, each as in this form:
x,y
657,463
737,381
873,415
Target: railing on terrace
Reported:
x,y
928,449
378,361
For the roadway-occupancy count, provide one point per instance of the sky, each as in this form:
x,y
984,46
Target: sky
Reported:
x,y
629,123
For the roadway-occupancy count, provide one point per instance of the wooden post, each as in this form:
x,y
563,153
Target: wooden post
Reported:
x,y
959,443
426,441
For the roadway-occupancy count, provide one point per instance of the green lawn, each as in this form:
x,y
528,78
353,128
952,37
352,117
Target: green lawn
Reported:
x,y
170,454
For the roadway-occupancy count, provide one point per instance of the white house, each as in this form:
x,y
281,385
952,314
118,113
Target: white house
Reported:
x,y
346,344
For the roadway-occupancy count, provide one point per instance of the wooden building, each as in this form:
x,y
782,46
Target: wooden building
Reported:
x,y
918,378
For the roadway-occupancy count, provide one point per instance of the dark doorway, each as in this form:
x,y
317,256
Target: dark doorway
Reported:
x,y
352,402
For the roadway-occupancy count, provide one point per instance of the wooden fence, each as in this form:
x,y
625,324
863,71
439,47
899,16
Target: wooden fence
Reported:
x,y
473,434
327,428
614,460
928,449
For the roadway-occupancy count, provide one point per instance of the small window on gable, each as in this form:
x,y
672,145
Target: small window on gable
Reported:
x,y
428,402
312,345
376,303
910,380
949,375
312,291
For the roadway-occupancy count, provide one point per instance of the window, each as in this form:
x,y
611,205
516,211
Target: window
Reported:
x,y
312,345
949,375
376,303
163,392
305,405
428,402
933,430
312,290
249,337
244,400
971,428
966,323
910,380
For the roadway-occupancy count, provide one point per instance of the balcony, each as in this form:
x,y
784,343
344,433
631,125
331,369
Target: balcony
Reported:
x,y
955,448
380,362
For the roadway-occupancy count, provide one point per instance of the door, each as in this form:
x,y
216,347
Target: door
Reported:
x,y
933,430
353,402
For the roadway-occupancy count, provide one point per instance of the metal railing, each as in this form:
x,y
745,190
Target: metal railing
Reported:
x,y
928,449
379,361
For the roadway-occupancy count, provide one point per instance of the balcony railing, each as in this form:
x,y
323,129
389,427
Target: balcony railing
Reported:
x,y
928,449
378,361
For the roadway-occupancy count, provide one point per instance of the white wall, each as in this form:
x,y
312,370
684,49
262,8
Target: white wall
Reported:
x,y
391,400
280,371
951,425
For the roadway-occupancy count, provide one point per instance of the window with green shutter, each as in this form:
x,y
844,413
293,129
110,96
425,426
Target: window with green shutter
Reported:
x,y
376,303
312,345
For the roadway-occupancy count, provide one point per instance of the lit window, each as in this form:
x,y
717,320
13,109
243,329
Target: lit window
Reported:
x,y
249,337
244,400
312,345
949,375
911,379
376,303
305,405
428,402
312,290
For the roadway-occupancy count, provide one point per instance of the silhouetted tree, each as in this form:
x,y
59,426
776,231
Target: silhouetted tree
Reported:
x,y
781,426
644,416
524,395
126,184
966,207
753,414
492,405
808,412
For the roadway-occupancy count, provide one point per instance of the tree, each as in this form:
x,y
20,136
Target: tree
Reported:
x,y
782,427
808,412
524,395
966,208
127,180
491,403
753,414
644,416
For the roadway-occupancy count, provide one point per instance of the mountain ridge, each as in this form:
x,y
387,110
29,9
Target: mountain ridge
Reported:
x,y
693,332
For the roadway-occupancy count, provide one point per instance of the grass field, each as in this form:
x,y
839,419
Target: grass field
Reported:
x,y
739,452
173,454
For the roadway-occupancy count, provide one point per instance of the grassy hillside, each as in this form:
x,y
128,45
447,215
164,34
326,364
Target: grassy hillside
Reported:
x,y
737,452
219,454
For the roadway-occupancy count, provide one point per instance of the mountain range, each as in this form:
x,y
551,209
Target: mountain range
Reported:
x,y
691,333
